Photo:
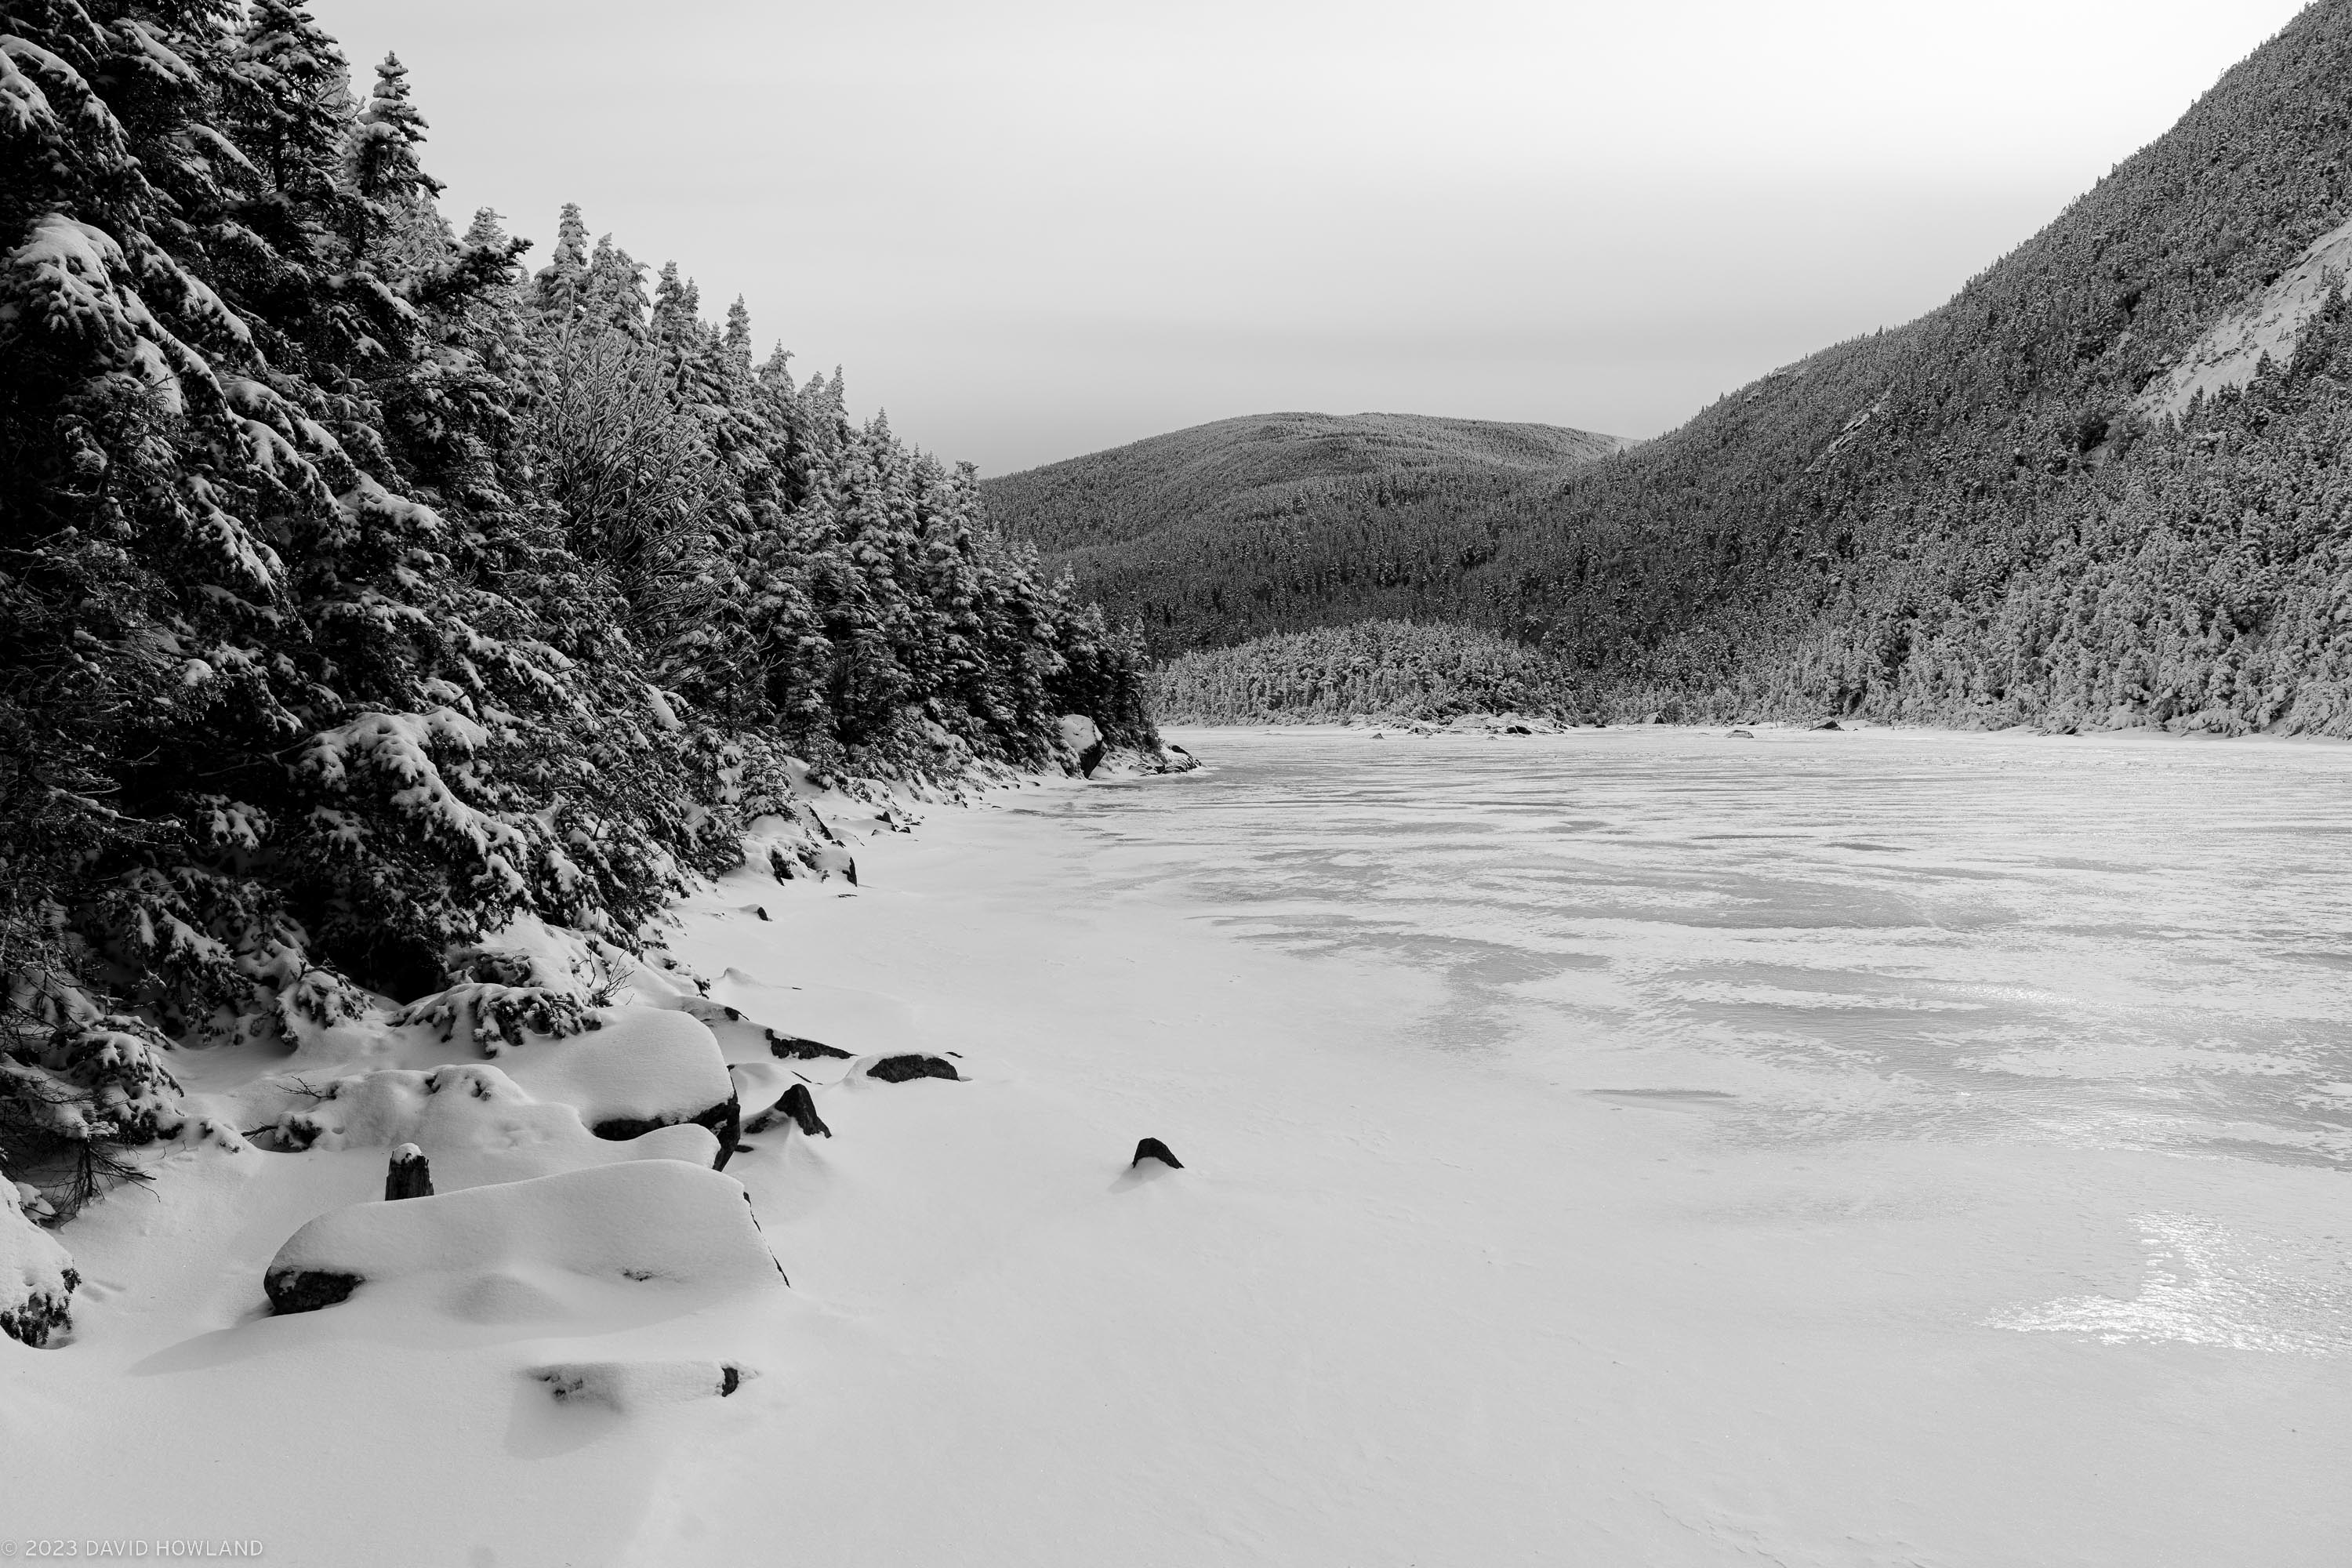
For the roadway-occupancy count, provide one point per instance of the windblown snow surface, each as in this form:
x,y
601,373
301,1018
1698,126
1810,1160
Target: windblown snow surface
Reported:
x,y
1632,1147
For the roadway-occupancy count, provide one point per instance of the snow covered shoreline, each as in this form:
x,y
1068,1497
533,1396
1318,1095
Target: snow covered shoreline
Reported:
x,y
1403,1304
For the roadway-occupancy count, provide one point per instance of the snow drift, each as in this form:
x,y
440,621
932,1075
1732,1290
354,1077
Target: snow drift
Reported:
x,y
652,1222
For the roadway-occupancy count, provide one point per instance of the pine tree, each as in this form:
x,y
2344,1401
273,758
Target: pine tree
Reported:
x,y
738,340
614,290
385,142
561,287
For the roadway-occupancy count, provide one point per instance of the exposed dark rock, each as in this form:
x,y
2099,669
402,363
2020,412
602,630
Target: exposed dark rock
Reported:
x,y
796,1107
1091,759
899,1069
308,1289
1829,724
798,1049
1739,735
725,1120
1516,730
730,1378
1153,1149
410,1175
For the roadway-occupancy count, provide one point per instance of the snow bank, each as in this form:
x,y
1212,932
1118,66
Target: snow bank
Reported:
x,y
469,1109
36,1275
644,1068
645,1222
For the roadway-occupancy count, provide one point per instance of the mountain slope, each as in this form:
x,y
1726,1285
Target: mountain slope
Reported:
x,y
1988,515
1240,471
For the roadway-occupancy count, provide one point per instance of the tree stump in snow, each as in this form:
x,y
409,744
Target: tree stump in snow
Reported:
x,y
899,1069
1153,1149
410,1177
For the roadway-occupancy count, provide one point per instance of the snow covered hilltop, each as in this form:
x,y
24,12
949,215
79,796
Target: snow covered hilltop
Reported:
x,y
361,596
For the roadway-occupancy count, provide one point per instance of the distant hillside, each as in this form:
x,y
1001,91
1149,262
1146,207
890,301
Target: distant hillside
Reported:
x,y
1384,669
2103,485
1239,475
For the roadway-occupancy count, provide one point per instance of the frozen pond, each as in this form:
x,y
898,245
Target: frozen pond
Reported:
x,y
2135,943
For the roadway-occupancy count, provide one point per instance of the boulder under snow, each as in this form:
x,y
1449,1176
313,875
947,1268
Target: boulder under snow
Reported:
x,y
645,1067
648,1222
1082,745
472,1119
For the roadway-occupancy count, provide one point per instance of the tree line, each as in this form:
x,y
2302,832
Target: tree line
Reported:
x,y
360,589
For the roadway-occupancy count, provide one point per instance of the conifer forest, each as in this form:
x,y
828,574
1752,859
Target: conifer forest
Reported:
x,y
362,584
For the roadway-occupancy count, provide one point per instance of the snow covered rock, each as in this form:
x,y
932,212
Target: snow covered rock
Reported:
x,y
645,1067
796,1048
1132,762
1082,745
833,860
807,858
912,1065
627,1385
473,1116
647,1221
794,1106
36,1275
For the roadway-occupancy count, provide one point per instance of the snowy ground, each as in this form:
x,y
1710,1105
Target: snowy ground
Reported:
x,y
1631,1147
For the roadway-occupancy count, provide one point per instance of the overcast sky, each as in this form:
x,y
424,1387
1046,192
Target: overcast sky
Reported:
x,y
1032,228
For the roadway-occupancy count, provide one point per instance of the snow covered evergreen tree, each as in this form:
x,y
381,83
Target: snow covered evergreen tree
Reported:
x,y
357,596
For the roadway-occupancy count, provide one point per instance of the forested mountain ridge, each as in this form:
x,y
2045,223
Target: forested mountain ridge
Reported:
x,y
1974,519
1236,475
360,594
1371,670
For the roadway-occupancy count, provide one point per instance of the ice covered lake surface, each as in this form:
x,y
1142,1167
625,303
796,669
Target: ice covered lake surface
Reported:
x,y
1977,1190
2139,943
1638,1147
